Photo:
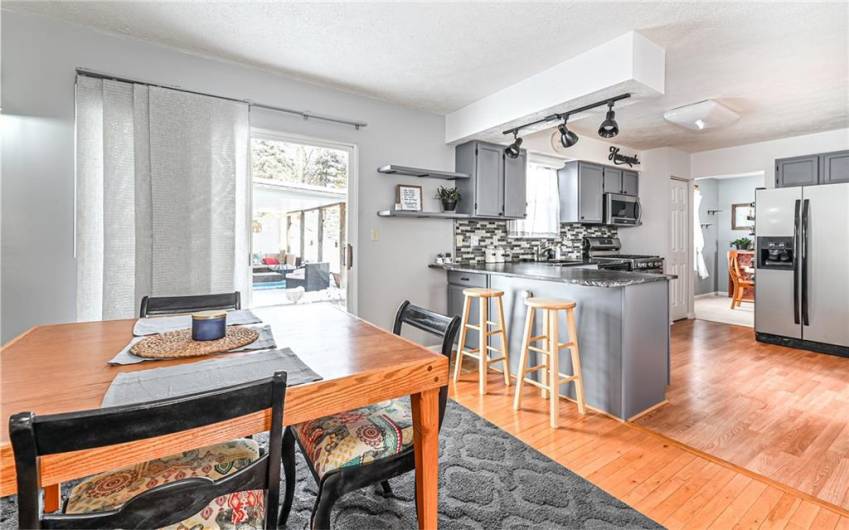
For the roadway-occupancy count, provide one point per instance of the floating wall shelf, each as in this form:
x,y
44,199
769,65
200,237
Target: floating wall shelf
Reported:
x,y
393,169
422,215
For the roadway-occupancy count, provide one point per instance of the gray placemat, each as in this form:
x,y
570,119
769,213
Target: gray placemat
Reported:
x,y
265,341
171,381
154,325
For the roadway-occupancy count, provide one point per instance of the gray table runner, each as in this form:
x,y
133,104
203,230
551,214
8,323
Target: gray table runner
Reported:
x,y
154,325
171,381
265,341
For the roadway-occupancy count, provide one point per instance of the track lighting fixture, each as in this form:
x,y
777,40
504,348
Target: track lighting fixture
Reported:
x,y
609,128
567,138
512,150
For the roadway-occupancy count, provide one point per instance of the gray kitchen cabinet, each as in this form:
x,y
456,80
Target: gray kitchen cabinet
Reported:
x,y
581,193
797,171
630,183
834,167
621,181
496,184
455,307
515,186
612,180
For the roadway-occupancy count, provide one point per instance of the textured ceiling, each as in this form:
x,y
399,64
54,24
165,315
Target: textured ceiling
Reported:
x,y
784,67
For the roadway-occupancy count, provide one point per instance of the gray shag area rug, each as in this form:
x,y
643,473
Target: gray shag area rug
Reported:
x,y
488,479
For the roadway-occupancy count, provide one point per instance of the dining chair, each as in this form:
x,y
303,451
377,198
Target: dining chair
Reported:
x,y
739,282
366,446
171,305
197,488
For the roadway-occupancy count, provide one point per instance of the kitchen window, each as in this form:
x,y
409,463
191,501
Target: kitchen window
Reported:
x,y
543,197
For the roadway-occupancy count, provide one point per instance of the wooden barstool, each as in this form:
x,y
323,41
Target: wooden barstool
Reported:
x,y
551,378
481,353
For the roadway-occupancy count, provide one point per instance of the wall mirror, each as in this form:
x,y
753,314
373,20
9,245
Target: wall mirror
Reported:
x,y
742,216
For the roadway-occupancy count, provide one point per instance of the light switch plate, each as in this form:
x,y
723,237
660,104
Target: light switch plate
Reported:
x,y
375,234
474,240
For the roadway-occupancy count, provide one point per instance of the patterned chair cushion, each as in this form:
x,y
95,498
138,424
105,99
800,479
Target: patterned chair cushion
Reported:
x,y
243,510
357,437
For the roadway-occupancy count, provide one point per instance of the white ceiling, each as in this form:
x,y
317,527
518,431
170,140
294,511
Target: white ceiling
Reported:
x,y
784,67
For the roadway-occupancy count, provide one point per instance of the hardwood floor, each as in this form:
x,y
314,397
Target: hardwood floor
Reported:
x,y
779,412
677,486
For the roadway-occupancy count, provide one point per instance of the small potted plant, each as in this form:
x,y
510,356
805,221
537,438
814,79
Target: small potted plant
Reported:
x,y
449,198
744,243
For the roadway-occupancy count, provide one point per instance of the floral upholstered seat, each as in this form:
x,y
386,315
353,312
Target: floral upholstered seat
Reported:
x,y
357,437
243,510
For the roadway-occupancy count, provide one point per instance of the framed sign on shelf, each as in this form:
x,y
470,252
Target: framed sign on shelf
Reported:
x,y
408,198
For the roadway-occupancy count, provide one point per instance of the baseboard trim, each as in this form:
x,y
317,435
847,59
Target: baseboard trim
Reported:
x,y
710,295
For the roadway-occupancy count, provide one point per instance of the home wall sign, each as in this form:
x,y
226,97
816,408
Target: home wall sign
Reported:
x,y
619,159
408,198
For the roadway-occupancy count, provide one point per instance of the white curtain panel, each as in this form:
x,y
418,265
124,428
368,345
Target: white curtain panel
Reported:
x,y
543,212
162,179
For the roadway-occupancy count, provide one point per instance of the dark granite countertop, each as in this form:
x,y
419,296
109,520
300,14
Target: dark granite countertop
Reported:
x,y
573,273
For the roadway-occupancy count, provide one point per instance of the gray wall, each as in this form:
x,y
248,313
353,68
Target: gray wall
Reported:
x,y
38,267
731,191
720,194
708,189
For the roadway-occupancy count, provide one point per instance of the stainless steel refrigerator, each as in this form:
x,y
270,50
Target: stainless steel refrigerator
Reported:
x,y
802,267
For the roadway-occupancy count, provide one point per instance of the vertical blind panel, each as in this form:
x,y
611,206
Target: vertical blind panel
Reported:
x,y
119,205
162,181
193,190
144,212
89,198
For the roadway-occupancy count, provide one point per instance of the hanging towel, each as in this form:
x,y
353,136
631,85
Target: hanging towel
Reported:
x,y
699,239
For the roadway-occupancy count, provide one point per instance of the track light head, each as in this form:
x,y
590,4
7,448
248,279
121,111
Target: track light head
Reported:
x,y
567,138
609,128
513,150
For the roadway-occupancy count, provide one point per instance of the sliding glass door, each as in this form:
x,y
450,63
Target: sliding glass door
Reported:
x,y
301,221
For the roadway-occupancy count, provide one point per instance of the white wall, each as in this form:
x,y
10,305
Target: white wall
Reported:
x,y
751,158
39,59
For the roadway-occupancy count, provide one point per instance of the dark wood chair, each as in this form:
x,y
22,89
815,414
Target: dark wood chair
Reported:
x,y
377,440
166,491
174,305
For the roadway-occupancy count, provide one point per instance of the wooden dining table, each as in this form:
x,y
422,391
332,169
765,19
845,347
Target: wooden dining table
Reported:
x,y
63,368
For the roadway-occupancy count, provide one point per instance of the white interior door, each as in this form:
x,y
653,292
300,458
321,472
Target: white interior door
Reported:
x,y
678,259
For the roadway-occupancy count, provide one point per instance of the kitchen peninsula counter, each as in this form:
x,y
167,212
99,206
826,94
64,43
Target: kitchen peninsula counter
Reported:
x,y
574,273
622,319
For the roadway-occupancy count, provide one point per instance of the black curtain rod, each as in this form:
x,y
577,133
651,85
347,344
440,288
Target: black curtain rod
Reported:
x,y
561,115
304,114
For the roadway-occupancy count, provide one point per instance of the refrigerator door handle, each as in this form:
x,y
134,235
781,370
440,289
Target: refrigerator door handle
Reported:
x,y
804,236
796,266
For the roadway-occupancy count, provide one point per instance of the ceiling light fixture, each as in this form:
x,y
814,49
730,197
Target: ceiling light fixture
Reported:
x,y
609,128
567,138
707,114
513,150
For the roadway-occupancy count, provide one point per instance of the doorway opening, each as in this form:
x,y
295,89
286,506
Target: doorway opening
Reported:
x,y
723,234
301,250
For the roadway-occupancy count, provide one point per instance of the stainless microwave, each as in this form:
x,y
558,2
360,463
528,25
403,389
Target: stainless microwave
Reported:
x,y
622,210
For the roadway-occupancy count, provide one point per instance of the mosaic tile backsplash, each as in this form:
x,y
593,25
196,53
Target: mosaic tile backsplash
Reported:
x,y
494,233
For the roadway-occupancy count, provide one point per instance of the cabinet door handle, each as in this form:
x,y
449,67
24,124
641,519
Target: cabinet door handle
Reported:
x,y
464,279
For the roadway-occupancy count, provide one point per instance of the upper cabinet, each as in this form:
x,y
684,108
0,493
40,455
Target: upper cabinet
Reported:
x,y
622,181
581,193
497,183
834,167
810,170
582,188
797,171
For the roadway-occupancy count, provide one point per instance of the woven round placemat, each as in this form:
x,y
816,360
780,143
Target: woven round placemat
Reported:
x,y
176,344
